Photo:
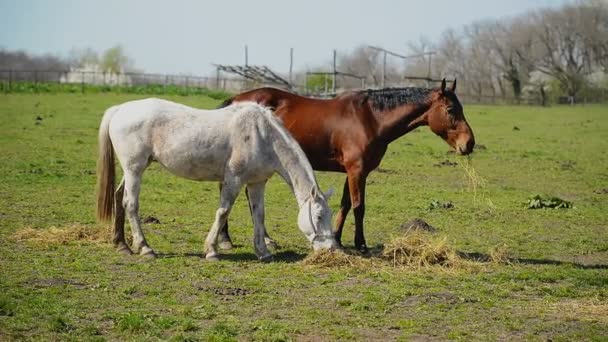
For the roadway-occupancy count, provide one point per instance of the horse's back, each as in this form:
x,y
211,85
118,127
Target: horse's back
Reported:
x,y
189,142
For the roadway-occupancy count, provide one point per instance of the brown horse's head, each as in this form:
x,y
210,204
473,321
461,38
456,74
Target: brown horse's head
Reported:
x,y
446,119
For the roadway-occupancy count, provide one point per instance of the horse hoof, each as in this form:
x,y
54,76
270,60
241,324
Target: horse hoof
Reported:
x,y
225,245
272,244
363,249
148,253
212,257
267,258
124,249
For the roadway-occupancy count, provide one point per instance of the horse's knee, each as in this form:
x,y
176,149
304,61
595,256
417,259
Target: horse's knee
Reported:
x,y
359,209
222,213
130,205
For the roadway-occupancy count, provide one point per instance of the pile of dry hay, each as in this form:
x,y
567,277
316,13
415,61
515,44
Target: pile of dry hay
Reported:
x,y
414,249
63,236
418,249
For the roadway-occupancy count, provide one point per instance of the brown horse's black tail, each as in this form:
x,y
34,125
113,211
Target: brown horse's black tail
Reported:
x,y
226,103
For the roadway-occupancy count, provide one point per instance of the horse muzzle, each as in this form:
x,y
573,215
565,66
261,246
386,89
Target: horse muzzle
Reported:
x,y
328,242
465,148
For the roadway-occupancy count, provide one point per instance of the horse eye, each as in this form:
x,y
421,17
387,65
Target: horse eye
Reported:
x,y
450,110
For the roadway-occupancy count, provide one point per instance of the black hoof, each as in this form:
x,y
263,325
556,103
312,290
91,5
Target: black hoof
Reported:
x,y
267,259
363,249
124,249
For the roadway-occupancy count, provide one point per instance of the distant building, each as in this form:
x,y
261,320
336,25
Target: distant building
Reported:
x,y
93,74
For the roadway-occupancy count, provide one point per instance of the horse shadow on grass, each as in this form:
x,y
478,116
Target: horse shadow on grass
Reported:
x,y
481,257
281,256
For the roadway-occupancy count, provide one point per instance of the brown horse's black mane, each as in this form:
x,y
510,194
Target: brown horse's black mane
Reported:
x,y
391,98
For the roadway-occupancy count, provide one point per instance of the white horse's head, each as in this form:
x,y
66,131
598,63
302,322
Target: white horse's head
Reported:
x,y
314,220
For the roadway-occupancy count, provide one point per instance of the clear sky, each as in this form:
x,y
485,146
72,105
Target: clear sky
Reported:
x,y
181,36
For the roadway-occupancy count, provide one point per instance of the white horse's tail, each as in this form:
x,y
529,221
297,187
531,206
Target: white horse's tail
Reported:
x,y
106,173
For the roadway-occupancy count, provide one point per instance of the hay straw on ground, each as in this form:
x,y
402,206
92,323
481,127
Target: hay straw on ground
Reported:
x,y
499,254
414,250
417,249
326,258
63,236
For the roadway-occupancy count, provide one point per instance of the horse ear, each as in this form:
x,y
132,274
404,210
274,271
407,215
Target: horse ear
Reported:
x,y
443,85
328,193
453,86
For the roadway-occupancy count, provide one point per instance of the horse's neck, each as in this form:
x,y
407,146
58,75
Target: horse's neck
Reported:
x,y
396,122
294,167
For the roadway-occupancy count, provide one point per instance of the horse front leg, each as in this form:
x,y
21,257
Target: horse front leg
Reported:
x,y
256,206
267,239
230,190
119,220
224,240
345,206
356,183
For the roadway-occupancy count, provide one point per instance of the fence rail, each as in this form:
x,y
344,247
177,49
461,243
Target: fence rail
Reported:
x,y
83,80
10,77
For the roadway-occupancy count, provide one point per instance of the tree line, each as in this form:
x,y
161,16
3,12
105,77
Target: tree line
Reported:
x,y
562,50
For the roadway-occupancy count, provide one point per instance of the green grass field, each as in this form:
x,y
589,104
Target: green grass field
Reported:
x,y
555,287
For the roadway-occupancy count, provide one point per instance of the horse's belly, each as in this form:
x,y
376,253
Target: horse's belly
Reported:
x,y
200,168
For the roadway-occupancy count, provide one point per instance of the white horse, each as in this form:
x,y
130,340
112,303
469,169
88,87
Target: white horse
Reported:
x,y
244,144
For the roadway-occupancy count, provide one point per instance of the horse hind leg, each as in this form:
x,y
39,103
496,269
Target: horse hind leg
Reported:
x,y
119,221
131,205
224,240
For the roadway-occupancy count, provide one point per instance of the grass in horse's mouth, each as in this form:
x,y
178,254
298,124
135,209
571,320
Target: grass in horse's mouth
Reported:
x,y
475,183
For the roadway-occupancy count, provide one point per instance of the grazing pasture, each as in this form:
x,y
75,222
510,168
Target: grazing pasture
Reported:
x,y
531,273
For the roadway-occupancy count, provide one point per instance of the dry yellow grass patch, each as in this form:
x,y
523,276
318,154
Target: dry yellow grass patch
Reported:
x,y
591,310
64,235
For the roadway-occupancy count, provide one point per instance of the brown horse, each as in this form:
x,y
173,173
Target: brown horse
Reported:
x,y
351,132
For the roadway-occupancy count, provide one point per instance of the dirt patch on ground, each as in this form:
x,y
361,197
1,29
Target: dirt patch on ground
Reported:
x,y
225,292
603,191
592,259
445,163
417,224
387,171
63,235
433,299
151,220
45,283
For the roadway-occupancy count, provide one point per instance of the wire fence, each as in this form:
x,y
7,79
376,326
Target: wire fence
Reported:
x,y
85,81
11,78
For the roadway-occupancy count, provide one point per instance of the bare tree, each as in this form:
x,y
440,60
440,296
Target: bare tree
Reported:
x,y
421,64
566,45
33,68
511,44
81,58
366,62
